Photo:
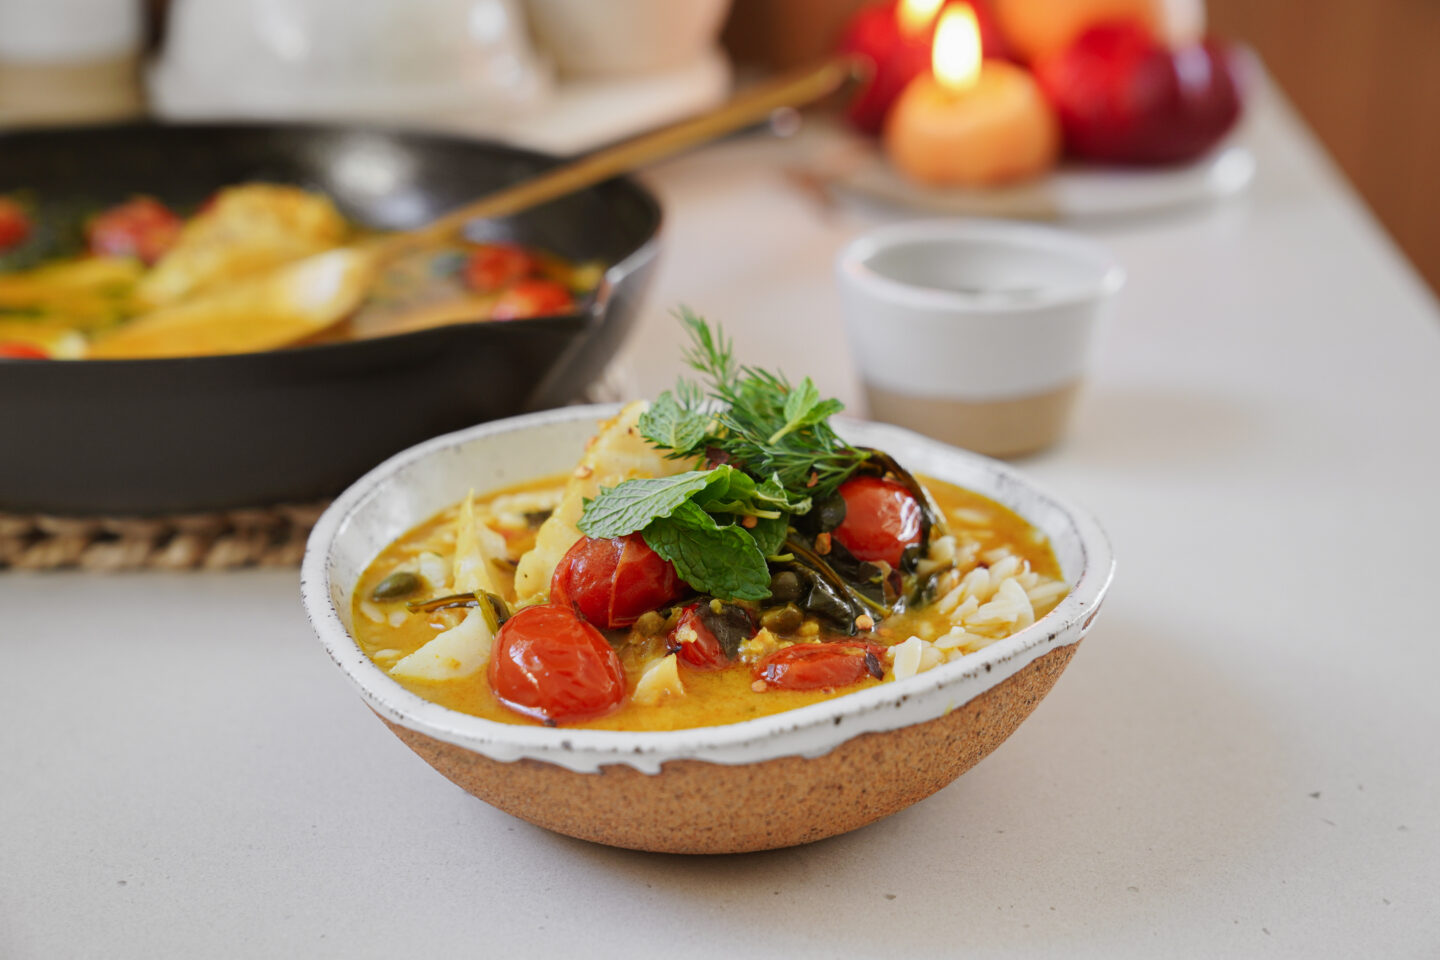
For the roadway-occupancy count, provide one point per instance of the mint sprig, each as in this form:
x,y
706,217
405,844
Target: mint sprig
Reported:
x,y
753,416
629,506
698,521
724,561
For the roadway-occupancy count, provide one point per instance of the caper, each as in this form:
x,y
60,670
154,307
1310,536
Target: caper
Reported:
x,y
782,620
785,586
830,512
397,586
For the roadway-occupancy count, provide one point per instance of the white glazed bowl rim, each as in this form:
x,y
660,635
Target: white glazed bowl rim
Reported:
x,y
853,264
807,731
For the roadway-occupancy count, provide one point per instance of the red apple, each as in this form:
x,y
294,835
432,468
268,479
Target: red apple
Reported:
x,y
1124,97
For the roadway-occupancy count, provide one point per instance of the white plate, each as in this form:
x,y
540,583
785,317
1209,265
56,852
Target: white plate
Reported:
x,y
1073,192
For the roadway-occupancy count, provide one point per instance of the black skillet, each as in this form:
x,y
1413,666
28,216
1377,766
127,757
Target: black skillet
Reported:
x,y
144,437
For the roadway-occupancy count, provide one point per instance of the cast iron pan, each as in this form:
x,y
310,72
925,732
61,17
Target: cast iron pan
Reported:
x,y
145,437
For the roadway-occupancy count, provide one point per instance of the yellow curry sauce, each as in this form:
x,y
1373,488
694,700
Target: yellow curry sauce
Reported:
x,y
985,533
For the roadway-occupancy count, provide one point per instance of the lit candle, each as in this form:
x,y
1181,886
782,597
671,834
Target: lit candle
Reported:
x,y
895,39
970,122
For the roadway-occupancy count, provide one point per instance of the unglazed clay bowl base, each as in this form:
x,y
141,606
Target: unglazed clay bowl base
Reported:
x,y
774,803
789,778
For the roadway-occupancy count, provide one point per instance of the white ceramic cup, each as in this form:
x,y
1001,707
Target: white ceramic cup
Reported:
x,y
976,332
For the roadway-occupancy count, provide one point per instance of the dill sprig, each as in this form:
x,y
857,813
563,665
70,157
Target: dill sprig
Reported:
x,y
757,419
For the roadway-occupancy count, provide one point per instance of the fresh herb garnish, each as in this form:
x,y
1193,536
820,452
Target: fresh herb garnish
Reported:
x,y
772,453
721,560
716,526
754,417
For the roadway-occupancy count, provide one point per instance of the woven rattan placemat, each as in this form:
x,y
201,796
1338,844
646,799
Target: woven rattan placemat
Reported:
x,y
265,537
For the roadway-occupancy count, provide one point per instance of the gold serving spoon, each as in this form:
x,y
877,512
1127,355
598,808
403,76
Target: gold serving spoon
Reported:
x,y
301,299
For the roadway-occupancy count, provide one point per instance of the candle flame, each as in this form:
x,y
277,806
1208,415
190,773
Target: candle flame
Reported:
x,y
956,55
916,15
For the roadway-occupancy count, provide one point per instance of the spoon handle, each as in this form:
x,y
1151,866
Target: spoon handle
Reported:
x,y
741,111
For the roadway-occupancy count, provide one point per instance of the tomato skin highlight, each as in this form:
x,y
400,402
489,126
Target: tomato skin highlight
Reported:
x,y
550,664
533,298
694,643
819,666
882,518
142,227
15,350
613,581
493,266
14,224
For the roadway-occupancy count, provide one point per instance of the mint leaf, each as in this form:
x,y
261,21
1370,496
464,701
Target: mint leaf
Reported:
x,y
730,491
772,494
724,562
629,506
804,408
769,534
668,423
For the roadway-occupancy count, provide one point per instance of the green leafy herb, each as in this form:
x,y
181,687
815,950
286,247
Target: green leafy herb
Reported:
x,y
673,424
758,421
770,533
722,560
630,506
773,453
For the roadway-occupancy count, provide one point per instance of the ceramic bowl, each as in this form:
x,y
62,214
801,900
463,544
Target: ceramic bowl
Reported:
x,y
626,38
772,782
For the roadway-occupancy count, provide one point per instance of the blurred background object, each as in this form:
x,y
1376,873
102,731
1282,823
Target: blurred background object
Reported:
x,y
463,66
1362,74
625,38
431,60
69,61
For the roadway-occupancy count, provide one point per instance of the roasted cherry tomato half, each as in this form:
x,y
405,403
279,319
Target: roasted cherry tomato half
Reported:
x,y
494,266
1125,97
821,666
143,228
533,298
693,638
882,518
613,581
14,224
16,350
549,664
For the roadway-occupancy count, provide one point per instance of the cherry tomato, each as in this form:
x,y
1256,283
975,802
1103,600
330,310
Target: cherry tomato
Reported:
x,y
549,664
820,666
532,298
14,224
882,518
495,265
612,582
1124,97
143,227
16,350
694,642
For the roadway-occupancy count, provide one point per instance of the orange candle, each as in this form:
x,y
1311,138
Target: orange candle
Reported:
x,y
970,122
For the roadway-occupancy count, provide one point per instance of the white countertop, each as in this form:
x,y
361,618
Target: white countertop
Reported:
x,y
1243,759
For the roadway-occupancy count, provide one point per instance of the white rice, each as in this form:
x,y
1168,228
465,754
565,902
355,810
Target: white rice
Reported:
x,y
996,595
